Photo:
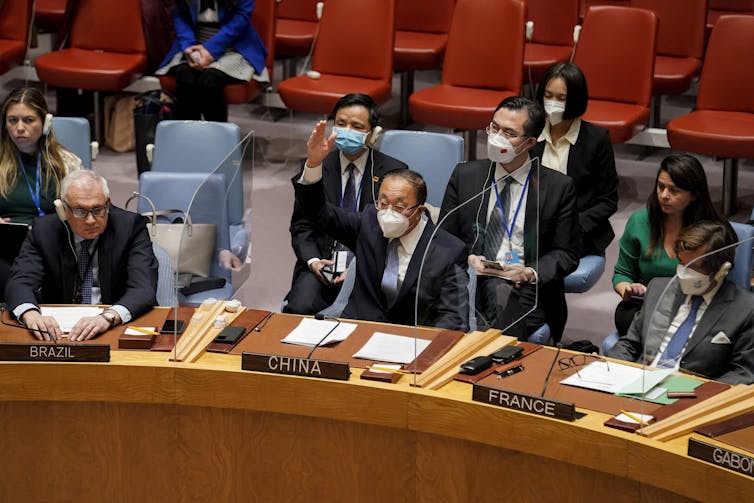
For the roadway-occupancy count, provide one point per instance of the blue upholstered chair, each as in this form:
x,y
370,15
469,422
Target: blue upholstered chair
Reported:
x,y
434,155
201,196
74,134
586,275
200,147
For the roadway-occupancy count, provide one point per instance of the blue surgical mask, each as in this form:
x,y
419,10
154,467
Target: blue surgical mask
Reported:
x,y
349,141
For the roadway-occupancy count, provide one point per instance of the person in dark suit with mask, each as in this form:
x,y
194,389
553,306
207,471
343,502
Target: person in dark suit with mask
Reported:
x,y
351,175
527,223
699,322
89,253
389,240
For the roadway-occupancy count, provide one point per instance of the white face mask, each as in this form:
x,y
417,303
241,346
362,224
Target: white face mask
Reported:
x,y
692,282
554,110
500,149
392,223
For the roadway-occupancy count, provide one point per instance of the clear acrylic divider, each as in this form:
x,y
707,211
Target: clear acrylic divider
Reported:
x,y
464,296
209,251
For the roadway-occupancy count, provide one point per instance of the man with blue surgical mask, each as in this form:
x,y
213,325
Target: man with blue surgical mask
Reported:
x,y
523,225
702,322
351,175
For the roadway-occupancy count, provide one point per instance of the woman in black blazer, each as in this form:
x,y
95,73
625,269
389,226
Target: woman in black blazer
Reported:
x,y
582,151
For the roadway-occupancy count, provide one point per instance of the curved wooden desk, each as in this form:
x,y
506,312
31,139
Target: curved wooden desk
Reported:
x,y
141,428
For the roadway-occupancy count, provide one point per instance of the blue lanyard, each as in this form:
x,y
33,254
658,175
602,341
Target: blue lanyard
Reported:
x,y
33,193
509,230
356,196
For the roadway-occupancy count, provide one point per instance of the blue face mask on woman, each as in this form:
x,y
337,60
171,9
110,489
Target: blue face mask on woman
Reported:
x,y
349,141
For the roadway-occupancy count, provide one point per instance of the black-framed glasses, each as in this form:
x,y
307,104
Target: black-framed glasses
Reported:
x,y
97,211
382,205
508,133
580,360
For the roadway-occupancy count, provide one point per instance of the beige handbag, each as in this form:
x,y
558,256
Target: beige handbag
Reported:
x,y
189,245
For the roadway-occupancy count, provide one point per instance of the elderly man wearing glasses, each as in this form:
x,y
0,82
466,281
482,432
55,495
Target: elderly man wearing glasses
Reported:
x,y
89,253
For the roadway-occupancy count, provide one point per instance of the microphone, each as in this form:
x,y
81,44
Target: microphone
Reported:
x,y
549,372
4,308
320,317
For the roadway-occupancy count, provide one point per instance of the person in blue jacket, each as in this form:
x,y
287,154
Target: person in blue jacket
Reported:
x,y
215,45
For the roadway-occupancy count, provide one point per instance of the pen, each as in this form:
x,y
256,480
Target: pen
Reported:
x,y
388,369
263,322
510,371
634,417
143,330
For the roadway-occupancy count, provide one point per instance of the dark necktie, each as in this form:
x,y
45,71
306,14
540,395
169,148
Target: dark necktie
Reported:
x,y
85,271
675,346
495,229
390,276
349,194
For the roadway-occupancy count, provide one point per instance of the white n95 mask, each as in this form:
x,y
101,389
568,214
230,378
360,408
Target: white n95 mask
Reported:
x,y
554,110
500,149
692,282
392,223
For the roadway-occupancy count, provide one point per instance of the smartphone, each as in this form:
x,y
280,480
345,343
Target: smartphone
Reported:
x,y
476,365
230,335
329,274
173,327
506,354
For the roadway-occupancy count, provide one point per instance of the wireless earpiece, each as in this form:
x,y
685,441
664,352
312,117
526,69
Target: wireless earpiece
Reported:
x,y
59,209
47,125
723,271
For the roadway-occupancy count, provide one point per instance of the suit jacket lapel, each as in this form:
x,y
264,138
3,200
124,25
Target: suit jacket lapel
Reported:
x,y
412,273
331,176
68,262
711,315
666,306
367,182
104,260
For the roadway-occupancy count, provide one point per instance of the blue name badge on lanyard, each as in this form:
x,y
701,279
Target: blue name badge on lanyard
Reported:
x,y
511,257
34,193
511,254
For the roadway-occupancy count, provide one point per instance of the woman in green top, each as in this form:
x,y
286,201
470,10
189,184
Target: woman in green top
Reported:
x,y
681,197
32,162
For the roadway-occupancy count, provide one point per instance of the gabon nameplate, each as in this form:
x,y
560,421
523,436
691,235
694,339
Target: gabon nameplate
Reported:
x,y
291,365
30,352
525,403
721,457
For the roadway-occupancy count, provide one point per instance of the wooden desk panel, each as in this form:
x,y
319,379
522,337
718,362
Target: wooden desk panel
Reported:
x,y
141,428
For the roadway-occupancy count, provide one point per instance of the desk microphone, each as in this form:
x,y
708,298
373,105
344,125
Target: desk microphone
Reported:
x,y
4,308
549,372
320,316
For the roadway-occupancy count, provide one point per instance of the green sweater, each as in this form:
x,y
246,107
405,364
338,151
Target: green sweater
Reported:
x,y
18,204
634,265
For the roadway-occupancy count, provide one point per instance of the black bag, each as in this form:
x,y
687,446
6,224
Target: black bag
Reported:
x,y
151,108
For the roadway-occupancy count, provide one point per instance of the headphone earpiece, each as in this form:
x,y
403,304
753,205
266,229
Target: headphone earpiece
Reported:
x,y
59,209
47,124
375,136
723,271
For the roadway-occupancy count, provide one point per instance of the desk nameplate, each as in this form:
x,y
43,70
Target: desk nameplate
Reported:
x,y
30,352
525,403
292,365
721,456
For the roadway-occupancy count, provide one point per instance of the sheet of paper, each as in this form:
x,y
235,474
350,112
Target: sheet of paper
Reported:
x,y
310,331
659,394
603,377
644,417
67,316
392,348
645,382
131,330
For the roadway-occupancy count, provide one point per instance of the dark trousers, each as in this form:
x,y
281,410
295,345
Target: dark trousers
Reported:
x,y
308,294
508,308
200,93
624,315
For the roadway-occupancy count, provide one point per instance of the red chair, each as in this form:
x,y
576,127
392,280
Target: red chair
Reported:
x,y
421,34
483,65
353,54
680,46
717,8
263,17
552,39
616,52
49,14
106,51
296,26
585,4
722,124
15,18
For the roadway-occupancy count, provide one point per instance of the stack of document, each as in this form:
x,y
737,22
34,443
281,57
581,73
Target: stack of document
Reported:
x,y
67,316
392,348
310,332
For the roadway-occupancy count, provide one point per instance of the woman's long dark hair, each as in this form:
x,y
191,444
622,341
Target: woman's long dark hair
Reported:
x,y
687,173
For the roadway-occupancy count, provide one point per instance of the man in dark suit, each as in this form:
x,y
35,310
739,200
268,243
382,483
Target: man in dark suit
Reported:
x,y
534,248
99,255
702,322
389,240
351,175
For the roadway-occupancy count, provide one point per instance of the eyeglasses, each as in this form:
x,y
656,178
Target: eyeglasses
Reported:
x,y
508,133
97,211
382,205
579,361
